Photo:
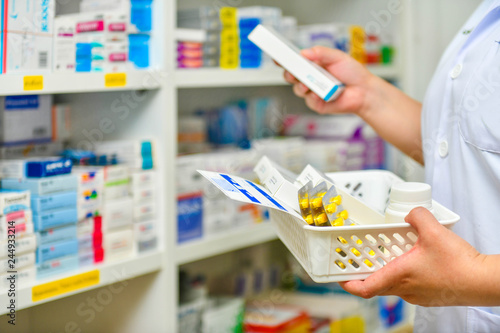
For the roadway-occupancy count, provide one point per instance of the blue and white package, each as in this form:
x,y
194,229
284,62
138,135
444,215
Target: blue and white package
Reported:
x,y
56,266
55,218
56,250
35,168
44,203
139,50
13,201
54,235
42,186
48,168
25,119
189,217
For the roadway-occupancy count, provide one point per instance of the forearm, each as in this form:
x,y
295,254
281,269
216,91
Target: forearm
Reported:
x,y
394,116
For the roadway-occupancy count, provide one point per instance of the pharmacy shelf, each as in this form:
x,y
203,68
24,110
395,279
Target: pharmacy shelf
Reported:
x,y
228,241
78,82
270,76
108,274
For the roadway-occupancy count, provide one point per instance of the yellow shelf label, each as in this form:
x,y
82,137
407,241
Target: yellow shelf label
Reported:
x,y
63,286
115,80
33,83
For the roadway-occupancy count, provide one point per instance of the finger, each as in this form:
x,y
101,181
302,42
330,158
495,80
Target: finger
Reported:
x,y
380,282
290,78
422,220
314,102
324,56
300,89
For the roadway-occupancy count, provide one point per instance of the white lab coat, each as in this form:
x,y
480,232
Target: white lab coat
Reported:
x,y
461,142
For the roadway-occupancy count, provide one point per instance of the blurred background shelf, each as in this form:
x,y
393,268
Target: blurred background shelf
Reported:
x,y
227,242
269,76
80,83
108,274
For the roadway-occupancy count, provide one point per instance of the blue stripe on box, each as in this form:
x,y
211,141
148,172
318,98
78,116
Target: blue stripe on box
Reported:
x,y
330,94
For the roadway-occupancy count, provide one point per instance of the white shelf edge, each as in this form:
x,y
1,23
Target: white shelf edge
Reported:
x,y
238,238
216,77
268,76
109,273
62,83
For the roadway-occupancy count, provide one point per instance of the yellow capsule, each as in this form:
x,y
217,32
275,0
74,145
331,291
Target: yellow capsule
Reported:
x,y
353,263
371,252
338,250
309,219
342,240
304,203
368,263
356,252
340,264
321,219
338,222
337,200
353,224
343,214
316,202
359,241
331,208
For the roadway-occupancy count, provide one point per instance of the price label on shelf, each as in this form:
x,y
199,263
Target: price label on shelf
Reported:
x,y
33,83
113,80
63,286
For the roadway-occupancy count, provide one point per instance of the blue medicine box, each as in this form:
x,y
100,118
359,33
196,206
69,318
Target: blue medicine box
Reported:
x,y
189,217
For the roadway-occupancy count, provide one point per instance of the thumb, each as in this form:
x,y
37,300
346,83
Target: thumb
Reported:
x,y
324,56
421,219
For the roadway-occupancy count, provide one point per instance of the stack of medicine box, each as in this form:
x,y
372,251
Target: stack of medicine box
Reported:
x,y
117,213
143,190
190,47
91,42
54,204
17,239
229,38
26,36
205,18
137,156
138,24
90,203
248,18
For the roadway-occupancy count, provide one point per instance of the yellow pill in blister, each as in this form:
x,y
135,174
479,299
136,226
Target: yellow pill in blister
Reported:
x,y
309,219
337,223
356,252
343,214
359,241
342,240
331,208
304,203
317,202
340,264
368,263
371,252
321,219
337,200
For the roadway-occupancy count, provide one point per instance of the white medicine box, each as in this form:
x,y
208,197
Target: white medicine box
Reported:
x,y
25,53
25,119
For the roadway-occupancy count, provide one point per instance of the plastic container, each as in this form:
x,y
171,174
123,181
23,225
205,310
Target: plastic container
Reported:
x,y
333,254
406,196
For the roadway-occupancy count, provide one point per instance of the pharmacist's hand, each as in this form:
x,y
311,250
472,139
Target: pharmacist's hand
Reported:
x,y
438,271
349,71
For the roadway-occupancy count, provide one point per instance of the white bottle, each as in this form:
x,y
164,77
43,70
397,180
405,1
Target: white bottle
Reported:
x,y
406,196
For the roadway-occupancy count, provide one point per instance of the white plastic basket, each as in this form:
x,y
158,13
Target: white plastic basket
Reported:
x,y
333,254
